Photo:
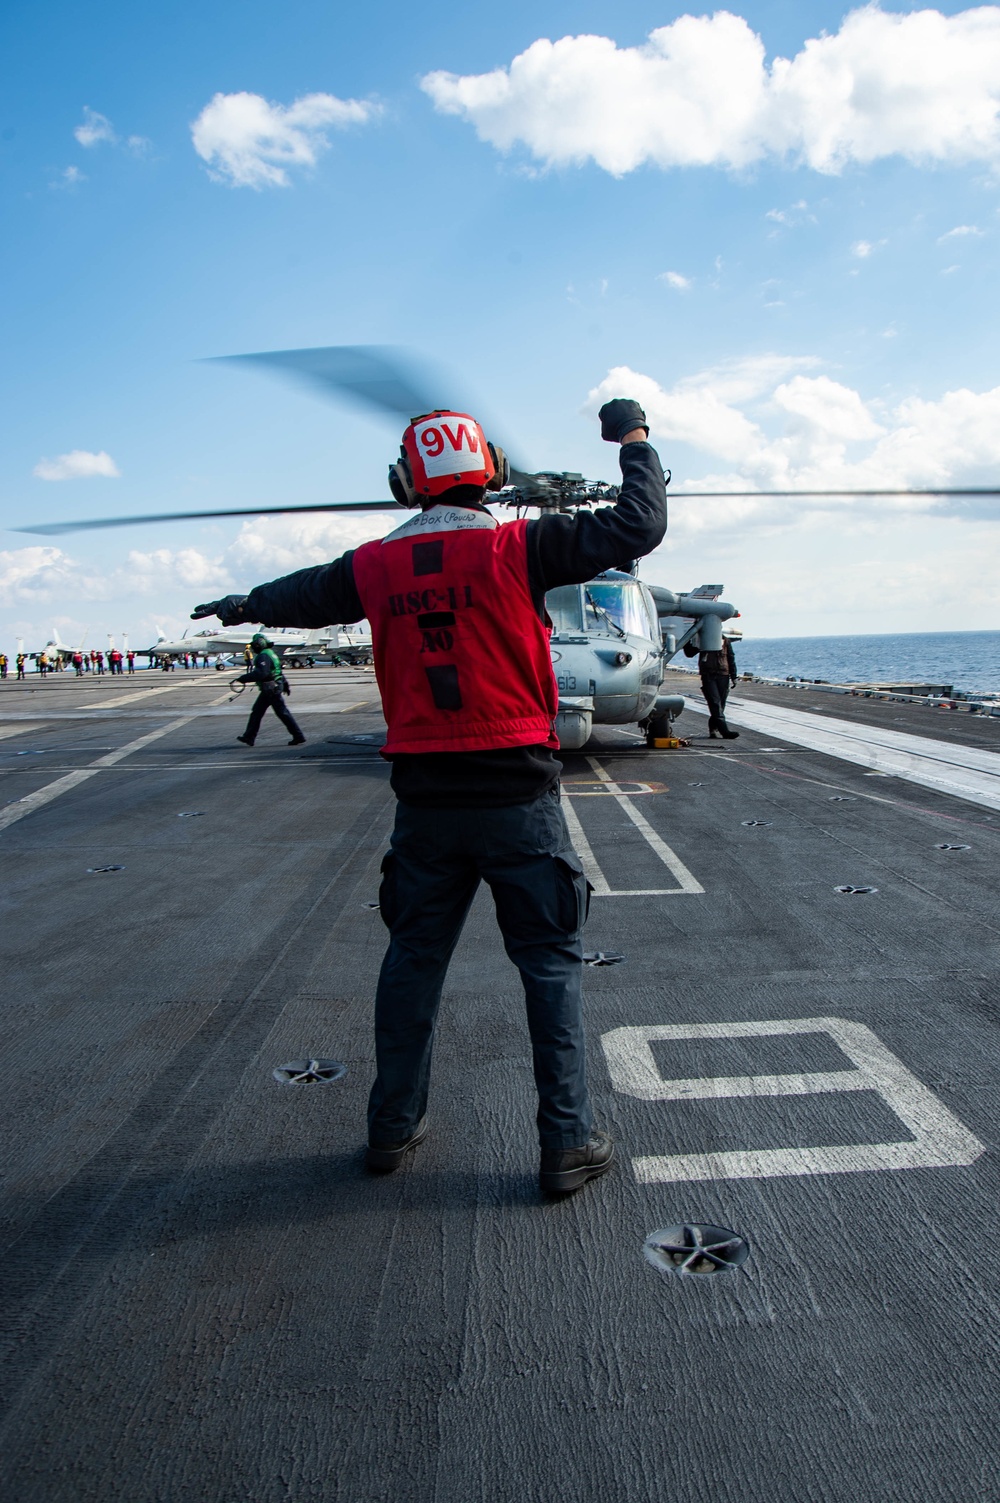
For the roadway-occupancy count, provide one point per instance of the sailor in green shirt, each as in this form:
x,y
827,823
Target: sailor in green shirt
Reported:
x,y
266,672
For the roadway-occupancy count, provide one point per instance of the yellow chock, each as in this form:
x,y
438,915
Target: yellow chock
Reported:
x,y
666,743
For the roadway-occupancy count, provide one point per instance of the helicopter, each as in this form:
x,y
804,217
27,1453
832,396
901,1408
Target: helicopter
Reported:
x,y
612,637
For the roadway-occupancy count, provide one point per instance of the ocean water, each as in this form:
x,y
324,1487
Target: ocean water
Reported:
x,y
967,660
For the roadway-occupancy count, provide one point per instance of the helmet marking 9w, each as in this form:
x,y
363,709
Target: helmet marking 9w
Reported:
x,y
443,449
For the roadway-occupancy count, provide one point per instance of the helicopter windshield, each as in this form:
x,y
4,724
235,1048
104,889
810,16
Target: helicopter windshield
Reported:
x,y
564,607
621,603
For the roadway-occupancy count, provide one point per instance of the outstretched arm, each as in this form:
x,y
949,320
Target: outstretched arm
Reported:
x,y
322,596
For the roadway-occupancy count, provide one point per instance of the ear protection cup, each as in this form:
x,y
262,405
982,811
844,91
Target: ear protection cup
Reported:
x,y
401,485
501,469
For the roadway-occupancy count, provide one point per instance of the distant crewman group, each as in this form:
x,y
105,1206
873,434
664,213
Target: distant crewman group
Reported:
x,y
114,661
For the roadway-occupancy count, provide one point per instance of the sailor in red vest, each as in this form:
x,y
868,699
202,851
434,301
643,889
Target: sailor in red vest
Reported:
x,y
456,604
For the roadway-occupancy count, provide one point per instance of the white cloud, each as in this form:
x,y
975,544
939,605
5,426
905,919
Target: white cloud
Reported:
x,y
796,214
959,230
33,573
172,580
675,280
70,177
249,142
269,546
79,464
862,249
948,271
95,129
809,432
699,92
48,574
183,568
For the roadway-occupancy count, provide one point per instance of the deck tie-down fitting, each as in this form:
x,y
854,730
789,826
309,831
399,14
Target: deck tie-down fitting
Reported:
x,y
310,1072
695,1248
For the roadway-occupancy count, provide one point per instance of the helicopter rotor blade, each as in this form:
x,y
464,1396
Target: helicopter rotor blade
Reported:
x,y
55,529
937,490
532,486
375,376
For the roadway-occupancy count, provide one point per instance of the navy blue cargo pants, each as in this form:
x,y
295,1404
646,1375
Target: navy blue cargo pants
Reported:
x,y
271,699
715,687
436,860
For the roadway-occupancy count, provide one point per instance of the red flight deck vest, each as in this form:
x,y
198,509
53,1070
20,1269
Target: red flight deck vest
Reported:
x,y
461,656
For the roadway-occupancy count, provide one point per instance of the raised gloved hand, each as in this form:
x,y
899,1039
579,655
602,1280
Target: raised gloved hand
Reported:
x,y
620,417
229,610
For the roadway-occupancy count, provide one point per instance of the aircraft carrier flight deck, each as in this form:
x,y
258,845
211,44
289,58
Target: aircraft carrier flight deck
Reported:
x,y
205,1294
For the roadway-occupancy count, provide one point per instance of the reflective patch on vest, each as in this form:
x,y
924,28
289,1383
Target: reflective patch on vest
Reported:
x,y
444,687
428,558
444,519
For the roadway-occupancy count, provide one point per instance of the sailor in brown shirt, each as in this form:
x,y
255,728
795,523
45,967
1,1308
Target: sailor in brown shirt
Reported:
x,y
718,672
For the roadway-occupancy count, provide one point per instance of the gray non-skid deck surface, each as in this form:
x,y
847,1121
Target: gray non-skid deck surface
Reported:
x,y
207,1297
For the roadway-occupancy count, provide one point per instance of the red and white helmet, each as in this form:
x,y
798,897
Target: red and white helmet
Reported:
x,y
443,449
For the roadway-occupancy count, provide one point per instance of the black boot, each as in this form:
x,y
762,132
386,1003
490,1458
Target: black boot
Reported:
x,y
565,1169
727,734
245,740
383,1158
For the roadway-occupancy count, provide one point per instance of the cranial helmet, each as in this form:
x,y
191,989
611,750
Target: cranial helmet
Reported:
x,y
258,641
441,450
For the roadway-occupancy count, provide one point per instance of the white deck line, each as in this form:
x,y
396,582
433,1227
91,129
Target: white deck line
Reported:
x,y
42,796
239,708
962,771
594,875
17,730
598,881
128,695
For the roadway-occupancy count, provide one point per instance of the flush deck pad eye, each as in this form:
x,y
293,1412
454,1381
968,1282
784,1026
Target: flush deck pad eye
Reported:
x,y
696,1248
310,1072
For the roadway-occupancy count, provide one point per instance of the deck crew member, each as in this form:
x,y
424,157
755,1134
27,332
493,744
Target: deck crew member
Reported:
x,y
19,661
266,672
3,665
718,674
130,655
460,636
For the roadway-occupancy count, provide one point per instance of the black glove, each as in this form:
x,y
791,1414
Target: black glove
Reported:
x,y
620,417
229,610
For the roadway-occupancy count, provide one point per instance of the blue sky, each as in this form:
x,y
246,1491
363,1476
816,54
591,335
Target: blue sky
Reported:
x,y
793,267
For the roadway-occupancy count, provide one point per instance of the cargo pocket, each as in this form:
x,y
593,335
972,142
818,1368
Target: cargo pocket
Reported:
x,y
574,892
387,905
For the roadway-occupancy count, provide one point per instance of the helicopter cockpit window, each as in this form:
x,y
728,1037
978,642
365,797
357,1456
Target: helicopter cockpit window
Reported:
x,y
621,604
564,606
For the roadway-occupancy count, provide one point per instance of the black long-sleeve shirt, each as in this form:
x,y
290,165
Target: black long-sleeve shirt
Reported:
x,y
563,548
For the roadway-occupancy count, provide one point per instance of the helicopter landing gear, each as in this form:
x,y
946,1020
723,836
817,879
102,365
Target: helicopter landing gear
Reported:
x,y
659,726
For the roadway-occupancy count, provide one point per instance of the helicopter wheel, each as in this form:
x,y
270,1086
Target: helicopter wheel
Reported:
x,y
658,728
